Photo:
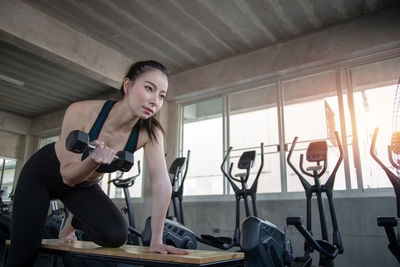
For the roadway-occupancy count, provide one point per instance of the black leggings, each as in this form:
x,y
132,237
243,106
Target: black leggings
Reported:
x,y
39,182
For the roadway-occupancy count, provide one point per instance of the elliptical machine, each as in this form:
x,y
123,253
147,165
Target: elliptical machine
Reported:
x,y
173,234
390,223
317,152
246,162
177,181
263,244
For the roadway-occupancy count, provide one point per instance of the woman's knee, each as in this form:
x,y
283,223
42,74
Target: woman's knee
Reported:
x,y
114,237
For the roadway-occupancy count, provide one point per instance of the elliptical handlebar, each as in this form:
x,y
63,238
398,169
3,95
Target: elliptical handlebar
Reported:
x,y
372,152
127,182
331,180
228,174
186,166
290,155
375,157
224,162
231,177
303,181
176,169
255,183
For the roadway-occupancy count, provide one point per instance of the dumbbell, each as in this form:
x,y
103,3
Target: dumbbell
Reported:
x,y
78,141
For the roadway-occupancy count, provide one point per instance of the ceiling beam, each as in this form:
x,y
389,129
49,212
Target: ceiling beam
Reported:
x,y
32,30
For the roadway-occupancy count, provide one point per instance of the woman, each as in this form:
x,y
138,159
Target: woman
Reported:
x,y
54,172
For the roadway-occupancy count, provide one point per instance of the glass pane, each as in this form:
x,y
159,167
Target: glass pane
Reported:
x,y
202,135
311,112
136,189
374,87
253,120
373,109
8,173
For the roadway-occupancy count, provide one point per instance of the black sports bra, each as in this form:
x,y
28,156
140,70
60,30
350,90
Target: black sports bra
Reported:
x,y
95,131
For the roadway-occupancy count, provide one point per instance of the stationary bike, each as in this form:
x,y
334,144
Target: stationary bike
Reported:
x,y
391,224
317,152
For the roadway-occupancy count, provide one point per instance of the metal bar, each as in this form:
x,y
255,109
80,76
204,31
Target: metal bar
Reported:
x,y
281,127
343,130
2,173
225,137
356,149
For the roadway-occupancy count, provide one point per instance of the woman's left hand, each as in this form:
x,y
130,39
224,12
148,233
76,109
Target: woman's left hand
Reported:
x,y
166,249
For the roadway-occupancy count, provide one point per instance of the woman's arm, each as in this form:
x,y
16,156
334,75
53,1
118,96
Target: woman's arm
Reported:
x,y
72,169
161,194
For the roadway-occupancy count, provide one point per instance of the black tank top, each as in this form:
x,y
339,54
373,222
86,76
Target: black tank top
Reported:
x,y
95,131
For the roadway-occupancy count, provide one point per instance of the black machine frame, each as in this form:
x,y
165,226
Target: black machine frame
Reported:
x,y
390,223
327,251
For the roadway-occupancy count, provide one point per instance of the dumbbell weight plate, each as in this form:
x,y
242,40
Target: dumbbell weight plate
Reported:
x,y
124,162
77,141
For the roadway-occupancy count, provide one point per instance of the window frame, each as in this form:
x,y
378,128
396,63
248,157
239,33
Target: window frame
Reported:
x,y
343,87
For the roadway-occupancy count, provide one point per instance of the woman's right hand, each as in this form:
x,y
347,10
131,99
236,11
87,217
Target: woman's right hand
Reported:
x,y
102,154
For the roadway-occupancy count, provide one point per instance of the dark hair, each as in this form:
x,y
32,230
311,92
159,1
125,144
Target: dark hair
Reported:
x,y
141,67
133,73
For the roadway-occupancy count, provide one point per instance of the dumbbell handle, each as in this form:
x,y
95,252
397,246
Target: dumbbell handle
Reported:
x,y
93,147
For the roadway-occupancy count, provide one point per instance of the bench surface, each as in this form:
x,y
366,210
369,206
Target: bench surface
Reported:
x,y
139,252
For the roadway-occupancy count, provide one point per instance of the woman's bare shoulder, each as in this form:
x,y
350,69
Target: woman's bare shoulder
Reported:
x,y
85,108
145,140
84,111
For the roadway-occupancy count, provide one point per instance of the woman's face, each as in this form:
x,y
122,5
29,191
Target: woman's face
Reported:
x,y
146,95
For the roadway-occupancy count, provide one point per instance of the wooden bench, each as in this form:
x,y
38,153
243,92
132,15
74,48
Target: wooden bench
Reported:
x,y
136,255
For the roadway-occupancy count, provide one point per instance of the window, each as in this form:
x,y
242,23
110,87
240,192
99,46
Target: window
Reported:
x,y
253,120
351,101
203,136
311,112
374,89
373,108
7,173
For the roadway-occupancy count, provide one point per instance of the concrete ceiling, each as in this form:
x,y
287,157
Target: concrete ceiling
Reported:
x,y
182,34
